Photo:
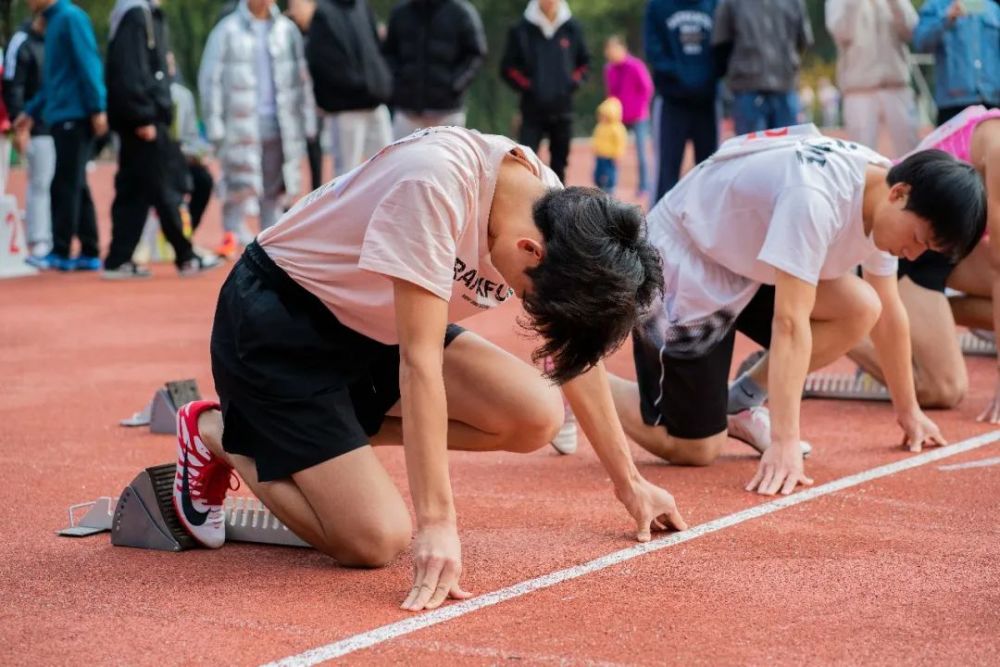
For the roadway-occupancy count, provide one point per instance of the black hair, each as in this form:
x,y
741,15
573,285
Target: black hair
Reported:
x,y
597,276
947,193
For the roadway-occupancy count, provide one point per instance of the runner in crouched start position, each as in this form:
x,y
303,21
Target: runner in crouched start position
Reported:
x,y
765,238
345,307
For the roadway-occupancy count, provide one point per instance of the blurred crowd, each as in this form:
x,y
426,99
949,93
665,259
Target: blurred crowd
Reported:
x,y
277,88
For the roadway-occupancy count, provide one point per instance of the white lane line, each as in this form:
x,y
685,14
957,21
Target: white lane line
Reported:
x,y
982,463
418,622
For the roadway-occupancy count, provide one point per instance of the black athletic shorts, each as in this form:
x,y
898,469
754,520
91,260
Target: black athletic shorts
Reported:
x,y
930,270
297,387
690,396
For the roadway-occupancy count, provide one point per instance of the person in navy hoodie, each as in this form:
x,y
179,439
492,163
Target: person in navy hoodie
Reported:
x,y
678,36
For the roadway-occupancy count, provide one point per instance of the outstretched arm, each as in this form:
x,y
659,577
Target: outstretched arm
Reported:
x,y
421,319
652,507
891,338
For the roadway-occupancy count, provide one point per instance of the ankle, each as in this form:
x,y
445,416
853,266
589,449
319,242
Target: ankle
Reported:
x,y
210,430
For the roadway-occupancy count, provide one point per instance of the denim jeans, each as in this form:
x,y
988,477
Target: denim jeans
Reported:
x,y
758,110
606,174
641,130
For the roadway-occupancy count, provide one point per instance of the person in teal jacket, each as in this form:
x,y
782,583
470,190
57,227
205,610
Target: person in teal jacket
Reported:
x,y
964,37
72,102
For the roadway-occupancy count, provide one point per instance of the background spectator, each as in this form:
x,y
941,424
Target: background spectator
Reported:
x,y
301,12
679,49
545,60
627,79
829,102
760,43
434,49
352,80
257,101
873,69
72,102
610,142
151,170
966,48
22,79
193,146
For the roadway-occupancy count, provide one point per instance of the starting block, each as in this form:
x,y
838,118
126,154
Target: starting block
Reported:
x,y
160,414
974,345
847,386
144,517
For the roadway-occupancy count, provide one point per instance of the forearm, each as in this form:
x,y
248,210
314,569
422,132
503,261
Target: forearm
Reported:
x,y
891,338
425,440
590,397
791,347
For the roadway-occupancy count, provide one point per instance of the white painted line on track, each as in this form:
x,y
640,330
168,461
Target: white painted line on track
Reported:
x,y
982,463
425,620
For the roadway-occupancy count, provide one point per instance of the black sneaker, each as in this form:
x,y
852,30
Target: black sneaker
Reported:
x,y
127,271
198,264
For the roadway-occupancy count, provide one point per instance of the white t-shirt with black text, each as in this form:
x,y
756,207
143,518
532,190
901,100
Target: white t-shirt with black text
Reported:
x,y
789,200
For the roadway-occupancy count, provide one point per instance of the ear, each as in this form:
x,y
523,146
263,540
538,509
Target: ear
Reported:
x,y
899,192
533,248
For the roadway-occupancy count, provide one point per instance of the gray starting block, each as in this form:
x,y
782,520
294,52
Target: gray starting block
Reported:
x,y
978,345
160,414
847,386
144,517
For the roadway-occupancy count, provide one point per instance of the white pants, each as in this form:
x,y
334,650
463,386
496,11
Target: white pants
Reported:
x,y
357,135
404,123
41,162
893,108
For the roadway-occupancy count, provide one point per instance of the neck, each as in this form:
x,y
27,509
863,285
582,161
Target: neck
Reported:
x,y
876,188
516,192
262,12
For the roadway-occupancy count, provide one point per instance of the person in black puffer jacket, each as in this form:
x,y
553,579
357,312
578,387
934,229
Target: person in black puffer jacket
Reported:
x,y
152,171
434,49
351,79
546,60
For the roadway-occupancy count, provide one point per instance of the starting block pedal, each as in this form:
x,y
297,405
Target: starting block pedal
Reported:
x,y
160,414
847,386
978,345
144,517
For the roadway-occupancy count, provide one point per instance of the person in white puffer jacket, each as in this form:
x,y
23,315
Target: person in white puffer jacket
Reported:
x,y
258,107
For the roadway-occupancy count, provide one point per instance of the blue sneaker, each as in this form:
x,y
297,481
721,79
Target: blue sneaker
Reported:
x,y
85,263
60,263
43,262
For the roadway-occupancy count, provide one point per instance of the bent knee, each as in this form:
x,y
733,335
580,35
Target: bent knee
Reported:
x,y
537,425
374,547
696,455
943,394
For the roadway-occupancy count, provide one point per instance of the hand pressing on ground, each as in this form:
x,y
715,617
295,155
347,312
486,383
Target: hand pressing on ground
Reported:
x,y
919,430
437,567
652,508
780,470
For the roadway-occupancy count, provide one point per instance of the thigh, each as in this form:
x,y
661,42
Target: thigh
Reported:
x,y
531,132
350,129
272,163
403,124
748,112
705,132
861,118
900,112
490,389
974,275
378,131
784,109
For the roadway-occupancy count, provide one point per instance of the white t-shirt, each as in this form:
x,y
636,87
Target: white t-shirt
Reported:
x,y
790,202
418,210
266,103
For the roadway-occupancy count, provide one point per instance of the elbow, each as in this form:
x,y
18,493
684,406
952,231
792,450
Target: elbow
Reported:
x,y
790,326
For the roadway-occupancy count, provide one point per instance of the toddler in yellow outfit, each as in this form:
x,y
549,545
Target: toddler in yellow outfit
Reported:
x,y
610,141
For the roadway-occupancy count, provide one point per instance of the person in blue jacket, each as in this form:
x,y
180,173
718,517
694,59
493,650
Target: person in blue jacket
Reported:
x,y
72,101
965,41
678,36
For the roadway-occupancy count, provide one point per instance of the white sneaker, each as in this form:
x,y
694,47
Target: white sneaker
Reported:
x,y
565,440
753,427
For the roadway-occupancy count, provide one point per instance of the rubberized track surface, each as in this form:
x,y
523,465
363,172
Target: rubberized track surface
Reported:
x,y
899,570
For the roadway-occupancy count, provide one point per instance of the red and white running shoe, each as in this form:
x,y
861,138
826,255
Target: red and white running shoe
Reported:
x,y
202,480
753,426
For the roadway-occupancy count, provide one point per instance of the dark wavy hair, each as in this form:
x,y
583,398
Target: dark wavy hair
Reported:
x,y
598,275
947,193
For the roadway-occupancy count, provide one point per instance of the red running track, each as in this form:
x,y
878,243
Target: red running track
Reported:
x,y
900,570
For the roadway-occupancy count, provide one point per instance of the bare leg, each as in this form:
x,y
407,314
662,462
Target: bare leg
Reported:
x,y
349,508
939,371
974,278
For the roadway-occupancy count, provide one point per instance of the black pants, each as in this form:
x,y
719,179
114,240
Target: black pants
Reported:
x,y
315,152
201,192
72,207
147,177
559,130
681,121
